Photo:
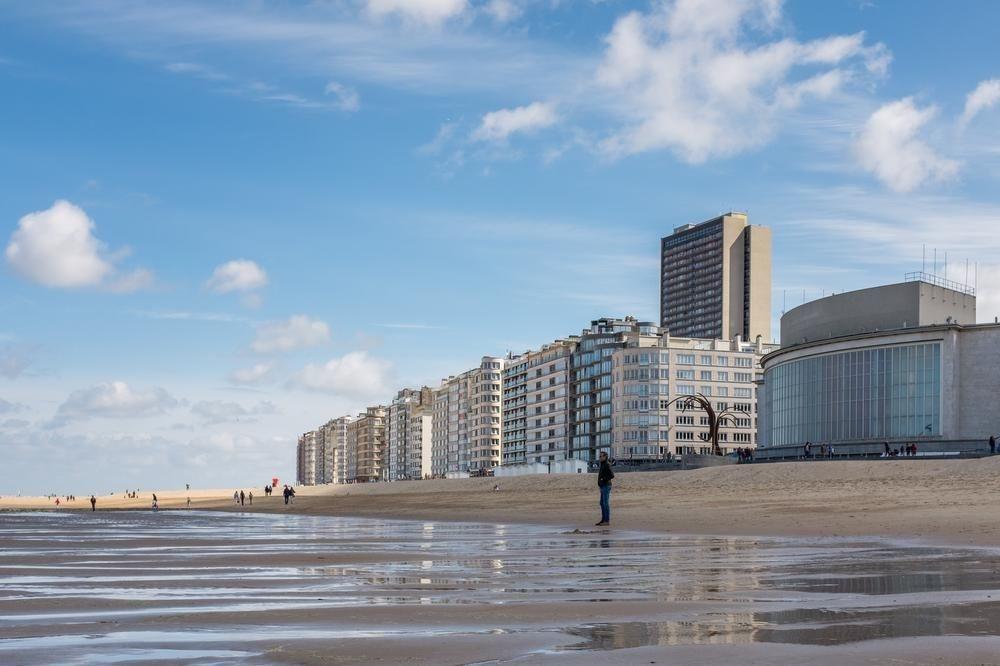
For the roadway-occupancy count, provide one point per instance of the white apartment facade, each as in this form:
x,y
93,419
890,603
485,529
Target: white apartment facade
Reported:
x,y
627,375
334,435
485,416
408,425
306,463
536,404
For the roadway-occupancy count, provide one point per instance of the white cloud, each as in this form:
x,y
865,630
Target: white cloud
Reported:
x,y
298,332
346,98
218,411
237,275
685,77
255,374
354,375
889,147
502,11
985,96
499,125
113,400
428,12
56,247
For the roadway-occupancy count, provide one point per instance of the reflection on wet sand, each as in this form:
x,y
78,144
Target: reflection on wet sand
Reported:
x,y
230,588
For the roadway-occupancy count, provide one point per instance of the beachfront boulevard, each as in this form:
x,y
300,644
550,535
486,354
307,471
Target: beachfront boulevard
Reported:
x,y
222,588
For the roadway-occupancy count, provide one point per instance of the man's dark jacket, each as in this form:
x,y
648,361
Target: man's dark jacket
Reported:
x,y
604,474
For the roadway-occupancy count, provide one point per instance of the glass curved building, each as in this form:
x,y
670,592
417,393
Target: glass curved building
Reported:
x,y
848,381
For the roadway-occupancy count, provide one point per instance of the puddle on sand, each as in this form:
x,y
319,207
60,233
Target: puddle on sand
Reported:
x,y
98,584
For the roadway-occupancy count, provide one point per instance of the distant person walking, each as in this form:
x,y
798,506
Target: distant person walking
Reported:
x,y
285,493
236,497
993,444
93,503
291,494
604,477
251,497
243,498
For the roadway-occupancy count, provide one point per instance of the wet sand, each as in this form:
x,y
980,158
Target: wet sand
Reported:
x,y
235,588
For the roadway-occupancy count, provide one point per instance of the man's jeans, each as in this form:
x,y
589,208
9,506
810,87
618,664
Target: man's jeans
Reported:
x,y
606,503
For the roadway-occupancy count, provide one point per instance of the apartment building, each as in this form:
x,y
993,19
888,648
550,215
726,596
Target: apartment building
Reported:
x,y
536,404
366,440
467,418
408,427
450,426
485,415
306,467
715,280
626,375
334,437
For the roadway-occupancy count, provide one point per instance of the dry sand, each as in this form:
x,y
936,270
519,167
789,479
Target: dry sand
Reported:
x,y
947,501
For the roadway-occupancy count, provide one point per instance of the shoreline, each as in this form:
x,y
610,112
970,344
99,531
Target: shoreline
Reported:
x,y
940,502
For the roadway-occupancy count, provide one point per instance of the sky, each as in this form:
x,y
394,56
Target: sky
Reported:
x,y
225,223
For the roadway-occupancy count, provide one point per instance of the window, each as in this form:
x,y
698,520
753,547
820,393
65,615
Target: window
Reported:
x,y
686,359
685,389
744,362
685,436
706,390
723,392
723,376
685,374
706,360
685,420
742,393
743,377
706,375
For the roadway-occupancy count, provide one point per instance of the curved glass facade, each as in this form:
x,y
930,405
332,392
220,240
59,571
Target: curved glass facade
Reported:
x,y
868,394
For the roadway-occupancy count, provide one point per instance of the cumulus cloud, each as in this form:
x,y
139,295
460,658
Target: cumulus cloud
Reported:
x,y
685,76
985,96
113,400
346,99
298,332
354,375
219,411
427,12
237,275
255,374
56,247
889,147
501,124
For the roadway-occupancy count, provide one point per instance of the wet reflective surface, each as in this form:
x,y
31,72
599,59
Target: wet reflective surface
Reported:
x,y
196,587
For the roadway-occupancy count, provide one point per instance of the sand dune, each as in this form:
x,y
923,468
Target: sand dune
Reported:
x,y
952,501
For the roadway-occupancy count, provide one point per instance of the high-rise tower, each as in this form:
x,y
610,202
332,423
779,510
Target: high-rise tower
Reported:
x,y
715,280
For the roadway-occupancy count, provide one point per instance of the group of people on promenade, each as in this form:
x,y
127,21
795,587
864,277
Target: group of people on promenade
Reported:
x,y
824,451
909,449
744,455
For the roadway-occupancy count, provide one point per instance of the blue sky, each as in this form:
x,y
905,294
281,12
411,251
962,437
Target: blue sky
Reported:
x,y
276,213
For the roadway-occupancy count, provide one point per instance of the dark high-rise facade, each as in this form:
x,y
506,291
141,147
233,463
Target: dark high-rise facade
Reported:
x,y
715,280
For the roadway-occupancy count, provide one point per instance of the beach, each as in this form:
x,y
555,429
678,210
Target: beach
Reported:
x,y
207,587
823,562
943,501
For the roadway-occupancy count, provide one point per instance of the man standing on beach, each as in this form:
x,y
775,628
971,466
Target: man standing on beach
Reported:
x,y
604,476
93,503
